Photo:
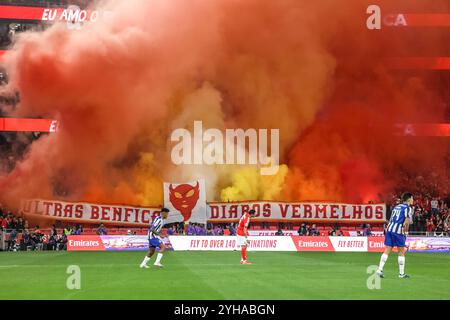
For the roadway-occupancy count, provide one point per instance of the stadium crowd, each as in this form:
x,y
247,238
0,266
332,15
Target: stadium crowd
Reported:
x,y
13,145
431,215
198,229
20,236
10,29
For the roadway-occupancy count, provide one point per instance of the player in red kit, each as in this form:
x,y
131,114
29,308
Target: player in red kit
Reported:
x,y
242,234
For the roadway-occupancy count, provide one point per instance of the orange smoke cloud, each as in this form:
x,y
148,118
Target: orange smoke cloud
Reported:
x,y
350,152
309,68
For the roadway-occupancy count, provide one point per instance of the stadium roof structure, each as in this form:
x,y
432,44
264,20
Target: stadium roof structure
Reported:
x,y
28,125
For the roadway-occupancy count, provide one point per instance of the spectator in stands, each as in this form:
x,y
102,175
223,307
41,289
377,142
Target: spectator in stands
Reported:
x,y
190,231
68,230
78,230
53,231
37,238
367,232
332,232
37,231
16,224
21,224
447,221
415,220
302,231
198,230
232,230
62,242
26,240
218,231
336,226
279,232
3,223
308,229
434,207
51,244
12,240
430,226
10,221
439,230
181,228
101,230
313,231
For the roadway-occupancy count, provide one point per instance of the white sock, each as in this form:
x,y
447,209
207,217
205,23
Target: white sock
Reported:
x,y
401,264
158,258
383,260
145,260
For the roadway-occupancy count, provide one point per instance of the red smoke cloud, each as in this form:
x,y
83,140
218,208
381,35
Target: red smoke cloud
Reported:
x,y
310,68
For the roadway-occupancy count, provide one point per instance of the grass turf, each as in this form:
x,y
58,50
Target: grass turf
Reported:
x,y
218,275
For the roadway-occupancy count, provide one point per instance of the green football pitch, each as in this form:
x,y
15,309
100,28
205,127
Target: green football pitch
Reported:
x,y
218,275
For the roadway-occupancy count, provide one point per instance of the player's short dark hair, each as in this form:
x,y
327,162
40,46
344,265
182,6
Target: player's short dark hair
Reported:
x,y
406,196
252,212
164,210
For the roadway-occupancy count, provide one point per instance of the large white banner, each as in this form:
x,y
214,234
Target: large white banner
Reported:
x,y
186,202
349,244
271,243
272,232
302,211
227,243
81,212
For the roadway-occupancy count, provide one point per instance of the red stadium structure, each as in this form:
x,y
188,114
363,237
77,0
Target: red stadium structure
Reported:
x,y
28,125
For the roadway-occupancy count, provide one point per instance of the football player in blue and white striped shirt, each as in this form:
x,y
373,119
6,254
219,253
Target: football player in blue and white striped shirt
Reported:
x,y
396,233
154,240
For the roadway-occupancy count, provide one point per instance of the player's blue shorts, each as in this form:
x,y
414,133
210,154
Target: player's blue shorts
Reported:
x,y
394,239
154,242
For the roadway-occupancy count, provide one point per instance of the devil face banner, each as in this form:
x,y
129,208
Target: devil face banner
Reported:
x,y
186,202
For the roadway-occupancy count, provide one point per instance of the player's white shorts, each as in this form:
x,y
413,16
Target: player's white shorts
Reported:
x,y
241,241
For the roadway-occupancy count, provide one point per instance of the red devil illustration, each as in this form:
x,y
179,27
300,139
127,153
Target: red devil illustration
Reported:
x,y
184,198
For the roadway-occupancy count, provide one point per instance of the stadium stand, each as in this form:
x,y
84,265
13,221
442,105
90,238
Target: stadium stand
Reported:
x,y
432,217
